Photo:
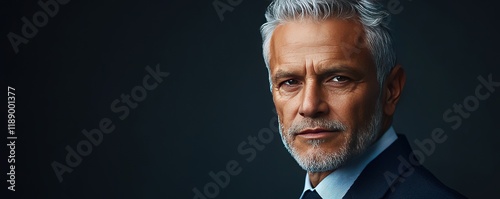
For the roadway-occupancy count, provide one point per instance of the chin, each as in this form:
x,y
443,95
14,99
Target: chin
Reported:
x,y
320,156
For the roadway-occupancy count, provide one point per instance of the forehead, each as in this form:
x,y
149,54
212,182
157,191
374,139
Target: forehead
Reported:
x,y
331,39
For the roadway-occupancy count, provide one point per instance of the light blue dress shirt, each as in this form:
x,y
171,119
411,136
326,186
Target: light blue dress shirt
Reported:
x,y
337,183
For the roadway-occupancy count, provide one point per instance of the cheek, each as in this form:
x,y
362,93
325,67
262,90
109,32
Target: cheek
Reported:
x,y
286,110
282,119
355,109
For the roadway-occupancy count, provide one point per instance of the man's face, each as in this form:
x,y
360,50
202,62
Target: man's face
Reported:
x,y
325,91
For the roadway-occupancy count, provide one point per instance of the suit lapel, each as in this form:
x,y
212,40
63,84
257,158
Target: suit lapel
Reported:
x,y
381,173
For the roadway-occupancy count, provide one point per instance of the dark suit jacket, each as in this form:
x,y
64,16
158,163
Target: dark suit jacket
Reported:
x,y
392,175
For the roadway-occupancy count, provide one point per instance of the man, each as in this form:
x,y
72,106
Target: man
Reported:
x,y
335,84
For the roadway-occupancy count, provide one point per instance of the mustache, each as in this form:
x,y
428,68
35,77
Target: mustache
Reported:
x,y
307,123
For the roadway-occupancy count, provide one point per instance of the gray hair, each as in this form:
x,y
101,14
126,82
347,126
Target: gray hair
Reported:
x,y
369,13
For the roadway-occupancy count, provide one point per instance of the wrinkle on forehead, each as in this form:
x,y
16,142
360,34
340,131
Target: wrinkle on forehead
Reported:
x,y
312,40
290,54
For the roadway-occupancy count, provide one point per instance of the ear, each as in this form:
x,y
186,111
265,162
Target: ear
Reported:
x,y
393,87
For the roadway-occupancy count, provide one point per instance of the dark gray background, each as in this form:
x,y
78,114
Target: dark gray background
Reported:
x,y
217,95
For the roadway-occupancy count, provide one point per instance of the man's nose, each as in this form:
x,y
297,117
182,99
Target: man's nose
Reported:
x,y
313,101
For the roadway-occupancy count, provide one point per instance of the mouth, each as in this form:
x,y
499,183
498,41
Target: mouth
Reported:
x,y
316,133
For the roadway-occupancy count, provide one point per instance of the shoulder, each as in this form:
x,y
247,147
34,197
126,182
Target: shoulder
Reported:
x,y
418,182
396,173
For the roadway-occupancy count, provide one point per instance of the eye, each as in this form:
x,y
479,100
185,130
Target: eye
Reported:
x,y
290,82
289,85
340,79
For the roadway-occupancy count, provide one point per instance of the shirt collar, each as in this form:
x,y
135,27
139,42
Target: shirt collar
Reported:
x,y
337,183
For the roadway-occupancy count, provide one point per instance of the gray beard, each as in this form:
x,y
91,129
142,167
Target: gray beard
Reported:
x,y
322,160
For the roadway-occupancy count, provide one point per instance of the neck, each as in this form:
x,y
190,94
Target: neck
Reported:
x,y
316,177
386,123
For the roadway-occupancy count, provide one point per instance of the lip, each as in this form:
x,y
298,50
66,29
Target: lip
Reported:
x,y
315,133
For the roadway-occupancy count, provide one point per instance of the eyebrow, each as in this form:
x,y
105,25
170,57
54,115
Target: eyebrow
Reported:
x,y
328,71
324,72
281,74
